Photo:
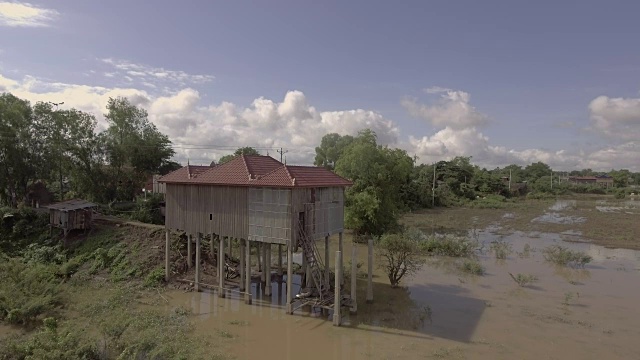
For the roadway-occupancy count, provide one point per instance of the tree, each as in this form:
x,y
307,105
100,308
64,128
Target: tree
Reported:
x,y
536,170
620,178
374,203
400,255
331,148
247,150
132,140
20,151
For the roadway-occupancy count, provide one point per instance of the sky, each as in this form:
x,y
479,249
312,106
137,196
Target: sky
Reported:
x,y
501,81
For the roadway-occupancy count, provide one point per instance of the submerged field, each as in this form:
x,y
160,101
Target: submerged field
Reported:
x,y
522,306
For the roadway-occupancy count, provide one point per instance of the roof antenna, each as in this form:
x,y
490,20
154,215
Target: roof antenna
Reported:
x,y
285,160
188,169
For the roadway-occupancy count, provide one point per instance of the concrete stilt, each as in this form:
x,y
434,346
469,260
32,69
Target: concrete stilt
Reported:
x,y
263,253
197,283
247,279
370,273
212,247
259,252
354,279
337,295
341,249
189,252
242,259
166,256
267,269
327,271
279,259
221,263
289,277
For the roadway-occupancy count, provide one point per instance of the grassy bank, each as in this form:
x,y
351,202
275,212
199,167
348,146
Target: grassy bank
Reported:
x,y
93,299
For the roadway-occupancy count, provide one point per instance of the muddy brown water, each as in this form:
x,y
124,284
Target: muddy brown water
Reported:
x,y
585,313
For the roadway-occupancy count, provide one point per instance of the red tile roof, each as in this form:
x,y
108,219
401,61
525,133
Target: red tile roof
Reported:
x,y
254,170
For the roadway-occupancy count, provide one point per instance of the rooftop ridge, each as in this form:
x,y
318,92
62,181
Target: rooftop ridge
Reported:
x,y
293,180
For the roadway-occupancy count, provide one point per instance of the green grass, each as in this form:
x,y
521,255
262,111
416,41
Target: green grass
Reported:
x,y
501,249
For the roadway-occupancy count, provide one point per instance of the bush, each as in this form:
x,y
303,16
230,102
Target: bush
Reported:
x,y
563,256
620,193
400,256
51,343
147,210
524,279
27,291
154,278
473,267
21,227
449,245
501,249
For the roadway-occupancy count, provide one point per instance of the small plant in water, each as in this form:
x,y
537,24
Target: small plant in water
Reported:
x,y
501,249
472,267
561,255
239,322
524,279
568,296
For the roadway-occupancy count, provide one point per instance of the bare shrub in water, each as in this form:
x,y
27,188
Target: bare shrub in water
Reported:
x,y
524,279
561,255
501,249
454,246
400,256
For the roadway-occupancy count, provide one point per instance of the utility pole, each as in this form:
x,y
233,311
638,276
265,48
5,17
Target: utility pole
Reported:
x,y
59,150
282,152
551,179
509,180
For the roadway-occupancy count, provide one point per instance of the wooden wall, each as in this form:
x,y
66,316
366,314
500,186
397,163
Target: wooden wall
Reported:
x,y
269,215
323,209
71,220
206,209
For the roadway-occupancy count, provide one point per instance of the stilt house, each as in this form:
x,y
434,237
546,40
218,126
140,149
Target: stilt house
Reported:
x,y
261,200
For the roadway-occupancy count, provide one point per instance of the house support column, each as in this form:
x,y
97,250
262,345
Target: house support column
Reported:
x,y
197,282
247,271
189,253
341,249
242,258
166,255
289,277
259,253
280,261
354,279
337,296
221,262
267,269
327,271
212,247
370,273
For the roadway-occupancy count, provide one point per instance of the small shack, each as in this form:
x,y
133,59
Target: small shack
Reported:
x,y
71,215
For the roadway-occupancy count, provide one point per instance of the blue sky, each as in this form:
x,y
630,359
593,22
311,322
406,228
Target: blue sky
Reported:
x,y
502,81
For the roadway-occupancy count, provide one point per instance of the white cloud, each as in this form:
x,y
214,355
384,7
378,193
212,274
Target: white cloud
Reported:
x,y
290,123
451,110
19,14
616,117
294,124
152,75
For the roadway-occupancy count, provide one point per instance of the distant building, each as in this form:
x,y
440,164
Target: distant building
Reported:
x,y
604,181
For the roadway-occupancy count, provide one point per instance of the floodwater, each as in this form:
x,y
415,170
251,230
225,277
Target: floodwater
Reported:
x,y
585,313
553,216
629,207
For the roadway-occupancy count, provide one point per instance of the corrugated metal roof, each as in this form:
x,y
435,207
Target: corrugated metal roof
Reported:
x,y
71,205
255,170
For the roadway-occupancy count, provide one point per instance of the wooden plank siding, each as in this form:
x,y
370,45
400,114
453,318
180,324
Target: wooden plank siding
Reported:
x,y
258,214
323,210
269,215
189,207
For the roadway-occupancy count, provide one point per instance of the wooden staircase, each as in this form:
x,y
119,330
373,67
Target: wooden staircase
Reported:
x,y
314,261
